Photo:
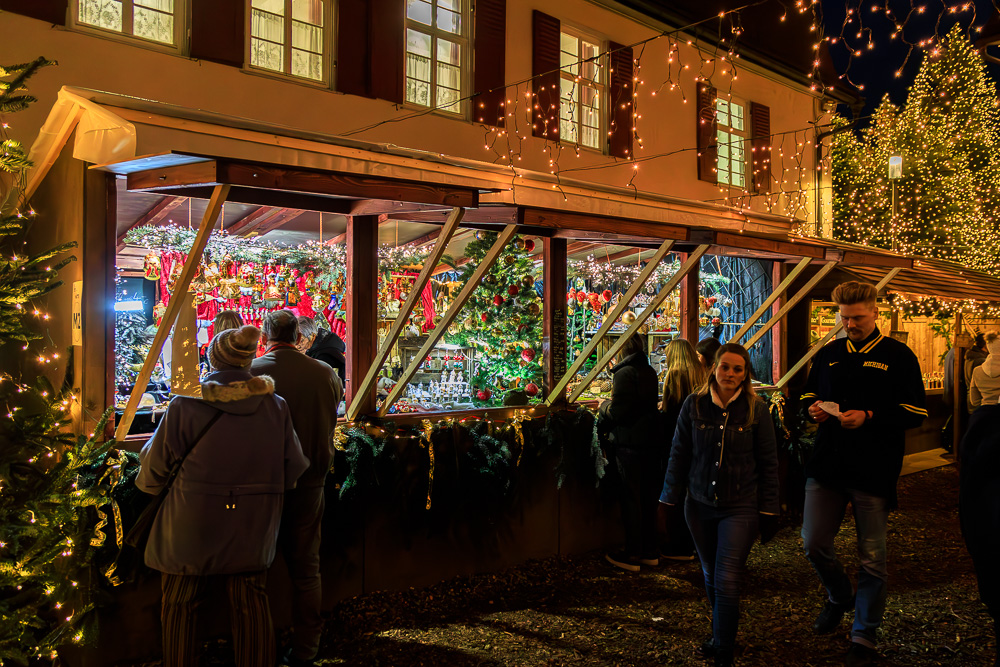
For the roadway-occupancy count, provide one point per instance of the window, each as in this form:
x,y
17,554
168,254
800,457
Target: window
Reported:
x,y
581,91
731,136
151,20
437,53
290,37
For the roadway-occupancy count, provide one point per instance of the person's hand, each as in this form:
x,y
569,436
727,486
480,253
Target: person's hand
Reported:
x,y
769,526
853,418
818,414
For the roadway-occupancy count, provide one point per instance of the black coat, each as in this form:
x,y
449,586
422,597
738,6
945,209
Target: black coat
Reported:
x,y
329,348
631,414
979,501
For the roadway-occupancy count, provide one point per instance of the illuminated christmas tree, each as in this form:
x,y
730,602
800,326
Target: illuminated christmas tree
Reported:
x,y
947,135
502,322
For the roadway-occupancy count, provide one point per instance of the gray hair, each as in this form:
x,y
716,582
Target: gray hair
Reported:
x,y
281,326
307,326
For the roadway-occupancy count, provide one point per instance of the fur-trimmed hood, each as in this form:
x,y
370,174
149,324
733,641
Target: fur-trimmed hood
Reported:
x,y
236,392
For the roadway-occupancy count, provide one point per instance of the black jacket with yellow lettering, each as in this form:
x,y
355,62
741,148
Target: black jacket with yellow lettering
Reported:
x,y
879,374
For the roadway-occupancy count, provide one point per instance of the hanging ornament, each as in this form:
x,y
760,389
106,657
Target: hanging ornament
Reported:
x,y
606,296
497,300
212,275
531,389
151,266
513,290
496,332
528,354
529,245
534,309
159,310
229,288
484,317
491,279
480,235
519,243
703,321
628,318
508,260
484,394
528,281
581,296
716,321
175,274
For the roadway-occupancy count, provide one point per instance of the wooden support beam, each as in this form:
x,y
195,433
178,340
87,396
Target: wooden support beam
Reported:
x,y
828,337
688,266
621,254
340,238
774,296
430,263
456,307
801,294
249,221
689,328
554,350
362,308
779,335
173,308
495,215
958,402
583,222
153,216
609,320
283,217
386,207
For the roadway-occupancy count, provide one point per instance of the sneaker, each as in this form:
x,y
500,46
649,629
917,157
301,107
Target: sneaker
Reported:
x,y
678,556
860,655
829,619
649,559
707,649
623,560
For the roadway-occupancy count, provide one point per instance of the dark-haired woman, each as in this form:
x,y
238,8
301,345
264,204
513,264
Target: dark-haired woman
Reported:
x,y
724,462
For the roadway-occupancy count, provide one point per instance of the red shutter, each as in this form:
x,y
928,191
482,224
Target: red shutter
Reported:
x,y
620,91
387,55
708,149
545,73
218,31
352,47
760,147
50,11
490,56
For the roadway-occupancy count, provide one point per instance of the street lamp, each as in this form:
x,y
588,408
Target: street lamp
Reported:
x,y
895,173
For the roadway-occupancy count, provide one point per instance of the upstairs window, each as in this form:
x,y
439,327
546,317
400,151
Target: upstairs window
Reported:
x,y
290,37
731,135
155,21
437,53
581,93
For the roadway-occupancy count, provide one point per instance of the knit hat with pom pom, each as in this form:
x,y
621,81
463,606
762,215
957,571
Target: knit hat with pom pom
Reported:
x,y
233,348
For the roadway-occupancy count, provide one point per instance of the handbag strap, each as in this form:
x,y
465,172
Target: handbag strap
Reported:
x,y
175,470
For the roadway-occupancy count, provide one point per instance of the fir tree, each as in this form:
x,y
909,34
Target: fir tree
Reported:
x,y
947,133
502,322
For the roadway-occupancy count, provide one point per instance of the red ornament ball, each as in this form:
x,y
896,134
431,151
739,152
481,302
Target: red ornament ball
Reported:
x,y
513,290
531,389
606,295
529,245
484,317
527,354
581,296
497,300
484,394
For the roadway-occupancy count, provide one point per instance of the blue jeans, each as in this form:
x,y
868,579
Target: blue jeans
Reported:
x,y
723,537
824,512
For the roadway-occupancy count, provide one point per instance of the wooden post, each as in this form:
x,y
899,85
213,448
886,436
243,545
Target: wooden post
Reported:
x,y
801,294
687,267
775,295
362,307
456,307
689,328
610,319
958,400
779,348
430,265
554,314
219,195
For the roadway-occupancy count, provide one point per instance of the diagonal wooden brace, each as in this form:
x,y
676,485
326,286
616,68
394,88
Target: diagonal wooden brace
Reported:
x,y
791,303
219,195
769,301
430,264
692,261
826,339
456,307
609,321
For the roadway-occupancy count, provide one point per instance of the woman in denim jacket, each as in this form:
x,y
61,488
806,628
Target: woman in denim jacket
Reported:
x,y
724,461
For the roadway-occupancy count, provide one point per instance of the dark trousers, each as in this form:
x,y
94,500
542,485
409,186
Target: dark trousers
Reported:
x,y
253,634
640,494
299,539
979,502
723,537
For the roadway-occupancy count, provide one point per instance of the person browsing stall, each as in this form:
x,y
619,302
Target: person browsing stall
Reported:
x,y
865,391
323,345
313,392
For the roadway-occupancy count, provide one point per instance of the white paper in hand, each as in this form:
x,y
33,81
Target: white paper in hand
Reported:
x,y
831,408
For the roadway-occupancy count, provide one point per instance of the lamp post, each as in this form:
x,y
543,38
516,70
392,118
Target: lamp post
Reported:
x,y
895,173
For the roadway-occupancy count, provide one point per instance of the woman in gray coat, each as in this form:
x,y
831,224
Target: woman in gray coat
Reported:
x,y
221,514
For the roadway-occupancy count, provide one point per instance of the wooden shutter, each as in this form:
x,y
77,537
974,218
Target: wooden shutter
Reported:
x,y
760,147
490,57
545,73
218,31
352,47
708,149
387,55
50,11
619,118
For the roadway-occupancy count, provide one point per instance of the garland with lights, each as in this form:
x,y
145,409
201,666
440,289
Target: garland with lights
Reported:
x,y
53,485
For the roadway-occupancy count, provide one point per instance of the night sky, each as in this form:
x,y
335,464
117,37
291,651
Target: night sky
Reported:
x,y
876,68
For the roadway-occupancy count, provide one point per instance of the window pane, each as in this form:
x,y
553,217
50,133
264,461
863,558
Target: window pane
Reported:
x,y
153,25
159,5
449,21
569,53
308,37
449,52
589,68
419,44
273,6
307,65
268,26
453,5
418,68
418,92
419,11
567,130
266,55
102,13
591,137
447,99
308,11
449,76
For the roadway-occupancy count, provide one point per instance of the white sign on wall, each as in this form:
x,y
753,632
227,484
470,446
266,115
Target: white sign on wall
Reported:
x,y
77,326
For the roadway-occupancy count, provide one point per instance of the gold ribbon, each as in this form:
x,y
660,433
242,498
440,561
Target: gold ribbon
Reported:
x,y
115,468
515,421
428,428
340,437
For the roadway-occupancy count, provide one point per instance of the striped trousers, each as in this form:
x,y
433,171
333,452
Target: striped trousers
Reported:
x,y
253,633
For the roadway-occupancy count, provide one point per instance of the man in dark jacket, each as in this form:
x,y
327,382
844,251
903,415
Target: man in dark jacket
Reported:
x,y
632,422
865,391
313,392
323,345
